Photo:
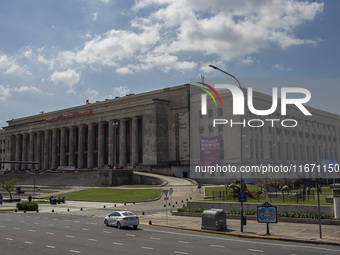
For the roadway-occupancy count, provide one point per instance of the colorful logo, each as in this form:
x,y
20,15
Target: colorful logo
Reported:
x,y
204,97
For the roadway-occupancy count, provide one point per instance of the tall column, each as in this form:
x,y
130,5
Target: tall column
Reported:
x,y
24,150
54,149
46,145
18,152
71,161
122,143
101,145
134,141
81,146
111,143
38,155
31,148
90,146
63,147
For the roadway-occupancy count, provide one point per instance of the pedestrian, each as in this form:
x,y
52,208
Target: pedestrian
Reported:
x,y
30,198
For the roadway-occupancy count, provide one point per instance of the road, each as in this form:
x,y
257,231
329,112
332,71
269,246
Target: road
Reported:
x,y
47,233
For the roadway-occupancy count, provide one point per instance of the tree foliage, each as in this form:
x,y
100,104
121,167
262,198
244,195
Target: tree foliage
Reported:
x,y
9,185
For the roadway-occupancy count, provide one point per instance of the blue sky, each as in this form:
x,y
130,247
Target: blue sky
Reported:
x,y
58,54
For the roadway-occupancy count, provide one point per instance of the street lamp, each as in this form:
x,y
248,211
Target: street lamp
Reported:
x,y
241,188
115,125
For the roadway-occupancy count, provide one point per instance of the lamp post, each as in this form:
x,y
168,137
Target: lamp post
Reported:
x,y
241,136
115,125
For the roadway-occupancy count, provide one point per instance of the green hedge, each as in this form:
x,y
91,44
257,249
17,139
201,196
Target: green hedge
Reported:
x,y
310,215
28,206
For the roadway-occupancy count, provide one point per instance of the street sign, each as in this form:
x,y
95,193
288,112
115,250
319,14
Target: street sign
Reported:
x,y
171,191
166,198
242,197
266,213
166,191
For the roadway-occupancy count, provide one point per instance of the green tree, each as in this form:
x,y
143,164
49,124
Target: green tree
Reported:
x,y
9,185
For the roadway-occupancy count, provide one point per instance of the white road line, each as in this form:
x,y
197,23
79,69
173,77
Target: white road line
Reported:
x,y
130,235
36,223
9,239
107,232
217,246
49,233
183,242
245,241
93,240
67,227
51,225
2,226
74,251
21,221
86,229
118,243
69,236
31,230
255,250
155,238
50,246
28,242
17,228
147,248
181,252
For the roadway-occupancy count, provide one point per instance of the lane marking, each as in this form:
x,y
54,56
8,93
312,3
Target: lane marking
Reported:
x,y
2,226
50,246
86,229
67,227
217,246
69,236
31,230
93,240
130,235
9,239
107,232
118,243
17,228
244,241
74,251
49,233
183,242
155,238
51,225
147,248
255,250
22,221
181,252
28,242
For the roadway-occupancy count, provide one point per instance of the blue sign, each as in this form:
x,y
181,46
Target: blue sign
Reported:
x,y
266,214
242,197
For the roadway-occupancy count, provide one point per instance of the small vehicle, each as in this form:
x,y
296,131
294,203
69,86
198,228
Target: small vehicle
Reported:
x,y
122,219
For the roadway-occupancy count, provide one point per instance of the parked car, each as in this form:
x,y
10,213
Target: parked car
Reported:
x,y
122,219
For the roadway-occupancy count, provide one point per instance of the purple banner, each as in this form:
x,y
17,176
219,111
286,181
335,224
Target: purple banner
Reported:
x,y
211,150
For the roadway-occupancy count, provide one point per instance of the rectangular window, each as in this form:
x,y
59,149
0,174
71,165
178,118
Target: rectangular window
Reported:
x,y
220,112
210,113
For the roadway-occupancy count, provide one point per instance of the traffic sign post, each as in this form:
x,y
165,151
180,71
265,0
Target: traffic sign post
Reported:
x,y
166,198
266,213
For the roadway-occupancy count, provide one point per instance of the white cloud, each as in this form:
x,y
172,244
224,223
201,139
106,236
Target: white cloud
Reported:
x,y
8,65
227,31
282,68
28,89
120,91
91,94
4,93
69,77
94,16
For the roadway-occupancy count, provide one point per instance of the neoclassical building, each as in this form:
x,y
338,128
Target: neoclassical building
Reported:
x,y
145,131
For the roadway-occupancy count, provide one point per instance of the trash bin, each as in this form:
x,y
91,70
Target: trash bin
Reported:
x,y
214,219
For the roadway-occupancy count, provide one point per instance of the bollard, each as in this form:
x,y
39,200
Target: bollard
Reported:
x,y
37,210
81,209
150,222
68,209
104,206
52,210
142,213
115,205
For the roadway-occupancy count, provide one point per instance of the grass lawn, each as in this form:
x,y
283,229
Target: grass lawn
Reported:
x,y
288,199
114,195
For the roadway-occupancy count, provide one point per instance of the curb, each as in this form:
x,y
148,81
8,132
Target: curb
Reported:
x,y
245,235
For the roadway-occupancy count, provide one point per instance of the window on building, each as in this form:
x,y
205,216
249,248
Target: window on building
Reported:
x,y
279,153
287,152
220,112
294,151
271,150
210,113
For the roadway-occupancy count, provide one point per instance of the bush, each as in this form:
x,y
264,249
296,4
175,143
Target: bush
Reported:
x,y
28,206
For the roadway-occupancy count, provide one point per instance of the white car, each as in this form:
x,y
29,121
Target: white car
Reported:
x,y
122,219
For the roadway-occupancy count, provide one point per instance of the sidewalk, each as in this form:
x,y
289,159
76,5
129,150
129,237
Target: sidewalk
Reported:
x,y
297,232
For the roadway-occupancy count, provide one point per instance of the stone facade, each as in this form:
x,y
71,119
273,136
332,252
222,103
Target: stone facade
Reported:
x,y
152,131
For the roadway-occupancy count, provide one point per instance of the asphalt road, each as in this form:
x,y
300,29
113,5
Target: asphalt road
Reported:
x,y
47,233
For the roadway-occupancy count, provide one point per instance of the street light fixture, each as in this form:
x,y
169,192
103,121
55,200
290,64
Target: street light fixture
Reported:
x,y
241,188
115,125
